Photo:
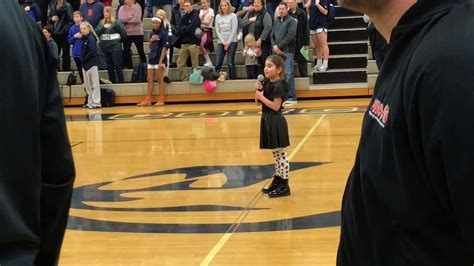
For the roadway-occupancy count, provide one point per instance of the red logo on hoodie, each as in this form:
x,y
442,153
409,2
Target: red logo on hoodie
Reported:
x,y
90,12
379,112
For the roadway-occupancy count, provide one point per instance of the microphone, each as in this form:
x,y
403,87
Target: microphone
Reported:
x,y
260,79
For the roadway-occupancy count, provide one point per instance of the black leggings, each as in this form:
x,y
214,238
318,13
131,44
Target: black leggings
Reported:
x,y
127,56
64,46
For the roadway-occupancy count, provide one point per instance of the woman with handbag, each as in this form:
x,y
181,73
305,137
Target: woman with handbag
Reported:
x,y
60,19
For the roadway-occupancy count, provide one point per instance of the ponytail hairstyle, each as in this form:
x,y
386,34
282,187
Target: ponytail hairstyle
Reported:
x,y
279,61
161,14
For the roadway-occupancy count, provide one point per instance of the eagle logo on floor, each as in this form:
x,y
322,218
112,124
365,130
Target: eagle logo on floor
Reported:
x,y
185,200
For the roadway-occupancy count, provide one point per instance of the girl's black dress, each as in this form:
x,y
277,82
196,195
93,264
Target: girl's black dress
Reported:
x,y
273,126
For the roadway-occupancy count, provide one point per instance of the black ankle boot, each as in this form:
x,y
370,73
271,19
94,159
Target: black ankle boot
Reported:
x,y
283,189
276,180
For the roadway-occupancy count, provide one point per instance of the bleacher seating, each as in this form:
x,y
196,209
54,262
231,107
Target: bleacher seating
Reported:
x,y
350,72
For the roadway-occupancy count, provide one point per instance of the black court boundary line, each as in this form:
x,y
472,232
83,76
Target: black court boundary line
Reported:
x,y
131,116
217,138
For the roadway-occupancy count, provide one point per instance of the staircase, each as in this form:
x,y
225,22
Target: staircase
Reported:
x,y
348,46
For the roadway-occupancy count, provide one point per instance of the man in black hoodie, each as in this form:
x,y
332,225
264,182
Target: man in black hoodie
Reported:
x,y
408,200
302,35
189,42
36,166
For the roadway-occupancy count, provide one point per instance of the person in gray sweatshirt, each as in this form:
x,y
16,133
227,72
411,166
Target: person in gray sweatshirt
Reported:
x,y
226,30
283,38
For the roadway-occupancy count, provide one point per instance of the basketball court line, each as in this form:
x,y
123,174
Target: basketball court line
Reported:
x,y
220,244
77,144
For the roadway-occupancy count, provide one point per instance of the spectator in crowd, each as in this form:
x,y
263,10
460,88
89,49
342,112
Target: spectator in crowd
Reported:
x,y
166,25
166,5
138,2
111,33
318,25
283,42
43,6
271,6
90,67
242,8
32,10
226,30
75,4
93,12
75,38
251,52
206,15
53,47
159,43
189,42
130,16
60,19
302,35
408,198
178,12
258,22
36,163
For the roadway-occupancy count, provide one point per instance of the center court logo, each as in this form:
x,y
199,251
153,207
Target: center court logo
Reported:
x,y
178,200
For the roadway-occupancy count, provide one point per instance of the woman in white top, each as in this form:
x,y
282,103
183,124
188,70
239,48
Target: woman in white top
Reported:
x,y
226,29
206,15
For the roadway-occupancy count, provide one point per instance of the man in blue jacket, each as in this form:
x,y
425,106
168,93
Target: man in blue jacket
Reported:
x,y
283,38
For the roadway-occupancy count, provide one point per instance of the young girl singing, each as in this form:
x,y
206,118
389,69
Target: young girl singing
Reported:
x,y
273,126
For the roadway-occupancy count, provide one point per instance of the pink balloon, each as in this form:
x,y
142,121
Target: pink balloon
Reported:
x,y
210,85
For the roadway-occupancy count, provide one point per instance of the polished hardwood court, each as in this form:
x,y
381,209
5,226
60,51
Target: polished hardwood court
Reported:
x,y
180,185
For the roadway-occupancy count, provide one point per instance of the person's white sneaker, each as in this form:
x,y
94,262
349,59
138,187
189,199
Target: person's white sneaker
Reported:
x,y
289,102
322,68
315,68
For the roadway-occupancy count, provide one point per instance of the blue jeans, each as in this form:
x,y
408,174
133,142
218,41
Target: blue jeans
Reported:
x,y
114,66
230,58
290,75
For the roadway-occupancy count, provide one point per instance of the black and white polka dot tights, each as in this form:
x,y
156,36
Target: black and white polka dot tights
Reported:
x,y
282,166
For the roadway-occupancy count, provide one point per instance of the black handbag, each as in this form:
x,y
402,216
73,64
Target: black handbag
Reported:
x,y
71,80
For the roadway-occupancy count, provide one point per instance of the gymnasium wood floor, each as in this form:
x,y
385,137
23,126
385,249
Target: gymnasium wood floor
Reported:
x,y
180,185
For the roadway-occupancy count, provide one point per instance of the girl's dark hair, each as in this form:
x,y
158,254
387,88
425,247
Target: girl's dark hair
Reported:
x,y
48,29
279,61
